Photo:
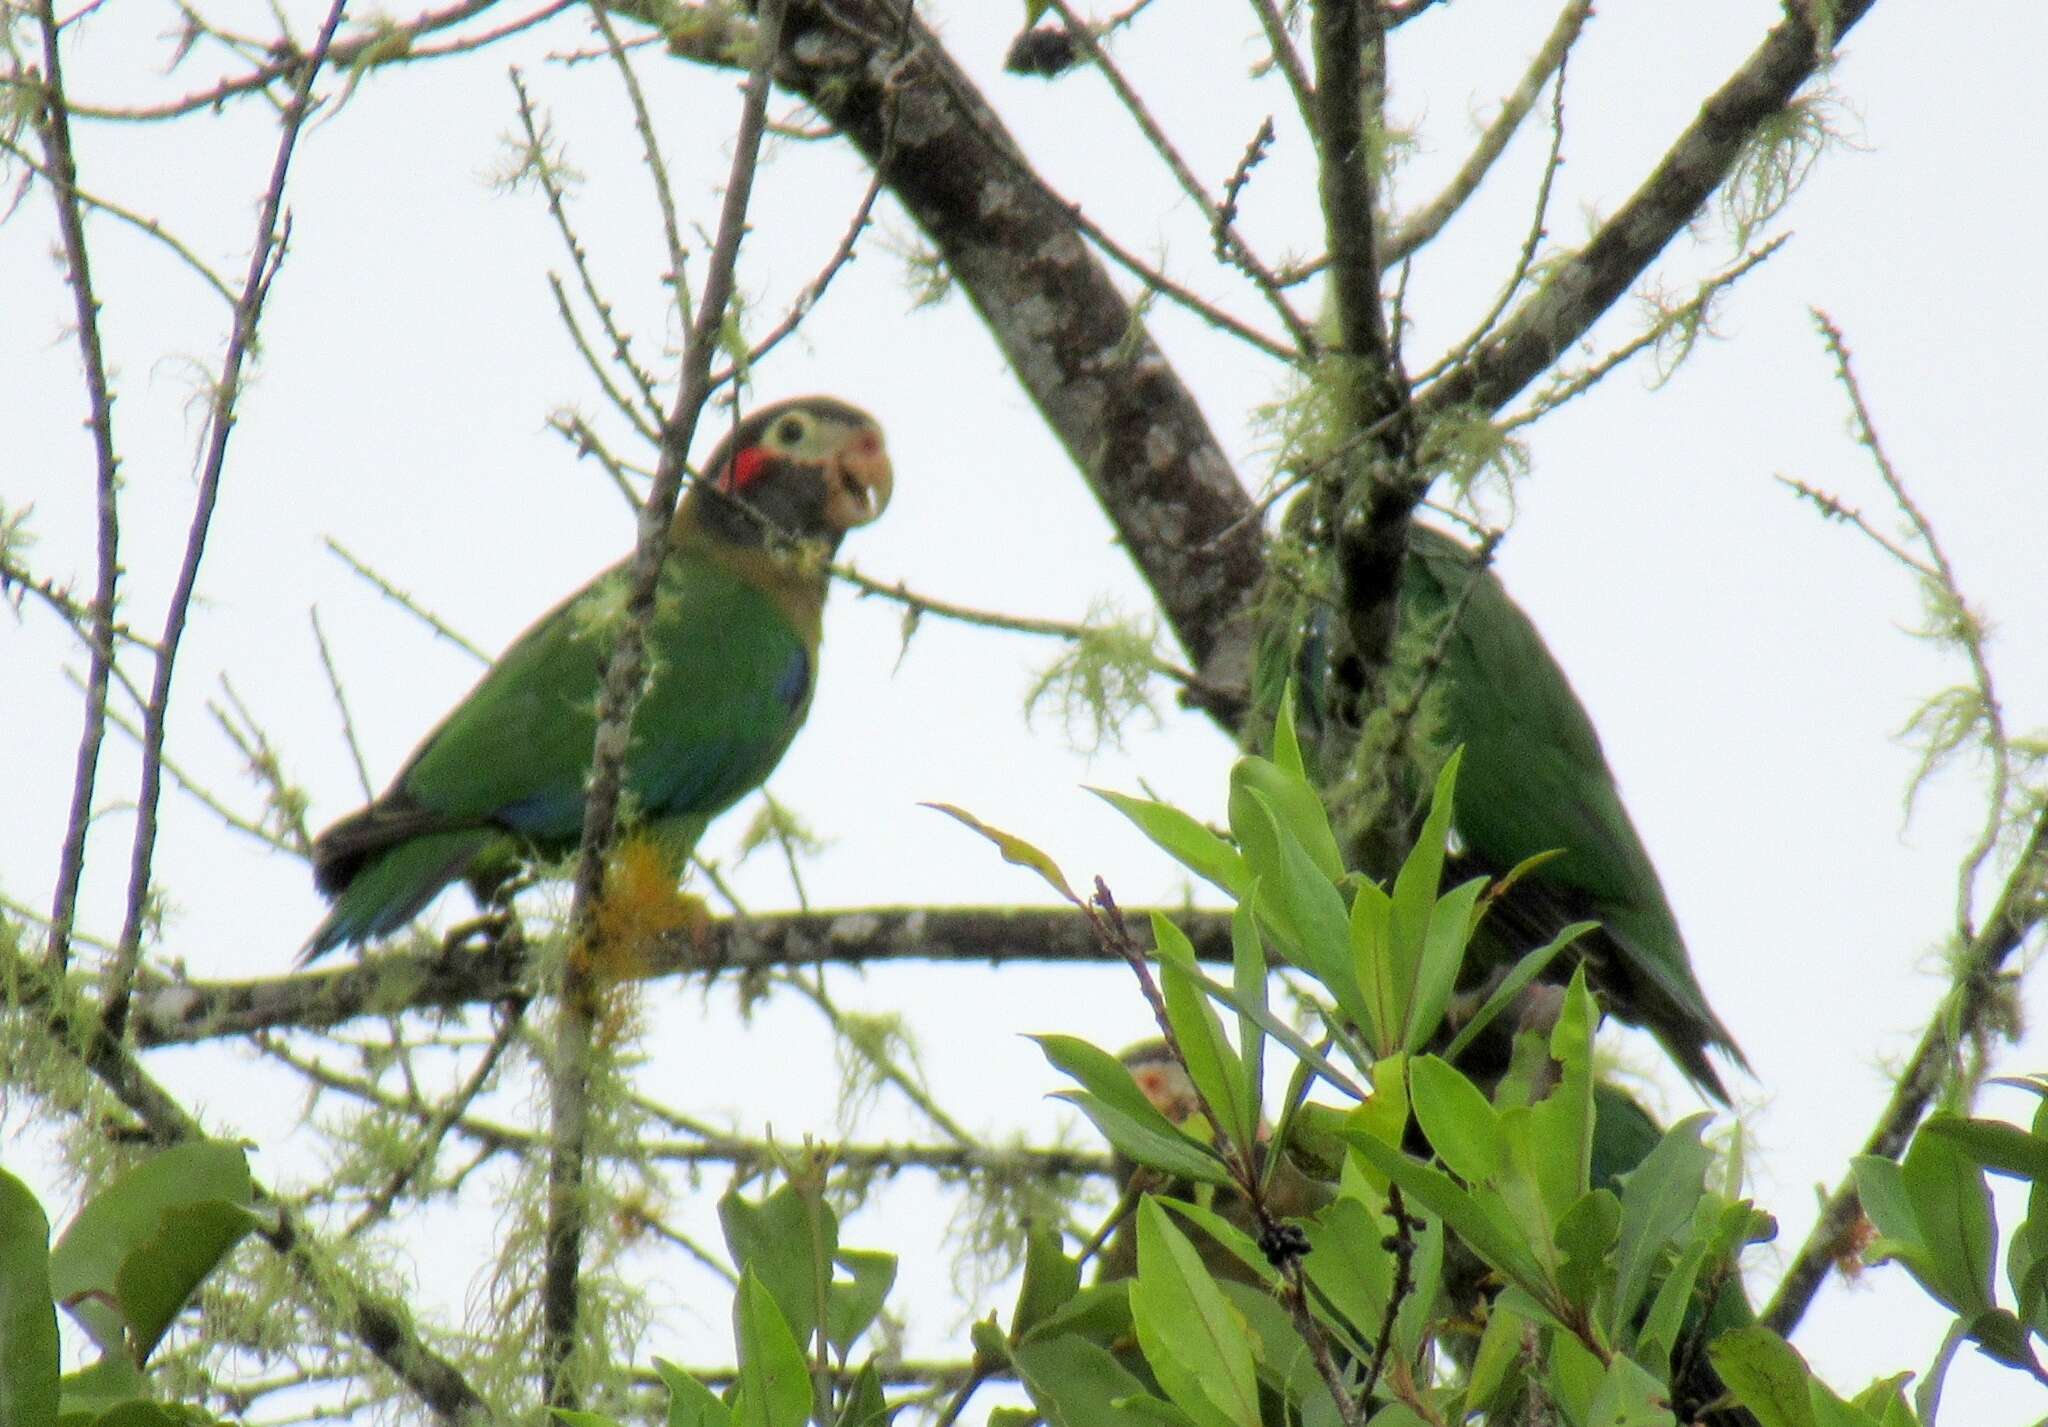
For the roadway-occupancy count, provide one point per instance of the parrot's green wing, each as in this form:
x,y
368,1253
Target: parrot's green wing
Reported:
x,y
1534,780
729,685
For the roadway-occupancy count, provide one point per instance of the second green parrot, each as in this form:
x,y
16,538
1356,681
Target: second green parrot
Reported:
x,y
1534,781
732,657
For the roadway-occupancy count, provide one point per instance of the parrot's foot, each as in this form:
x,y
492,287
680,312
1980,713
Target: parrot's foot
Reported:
x,y
641,908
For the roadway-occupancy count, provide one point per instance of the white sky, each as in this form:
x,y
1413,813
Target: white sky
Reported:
x,y
1745,662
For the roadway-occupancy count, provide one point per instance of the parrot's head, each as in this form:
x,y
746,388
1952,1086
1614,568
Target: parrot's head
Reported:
x,y
811,469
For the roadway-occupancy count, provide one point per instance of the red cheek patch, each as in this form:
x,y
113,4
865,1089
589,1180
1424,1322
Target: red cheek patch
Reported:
x,y
746,469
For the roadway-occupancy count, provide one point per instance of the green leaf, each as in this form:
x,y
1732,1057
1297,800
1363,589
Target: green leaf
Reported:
x,y
1997,1146
1185,840
1248,981
1953,1205
1192,1337
28,1315
1170,1150
1651,1343
1511,986
866,1405
1500,1353
1101,1313
1298,901
156,1281
98,1389
1766,1374
1416,884
569,1416
1286,744
1585,1236
1127,1119
1657,1199
778,1242
853,1304
1051,1278
1212,1065
1496,1240
1234,1240
690,1402
1460,1125
1443,954
1576,1377
1076,1383
1348,1261
1014,849
1628,1397
122,1239
774,1380
1295,806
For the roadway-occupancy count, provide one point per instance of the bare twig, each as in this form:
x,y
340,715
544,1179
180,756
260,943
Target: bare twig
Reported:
x,y
1974,992
348,723
1578,290
1430,219
1221,221
272,237
406,602
53,127
624,677
1286,59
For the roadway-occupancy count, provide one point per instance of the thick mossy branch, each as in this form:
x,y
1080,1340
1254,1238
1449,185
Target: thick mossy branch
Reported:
x,y
487,968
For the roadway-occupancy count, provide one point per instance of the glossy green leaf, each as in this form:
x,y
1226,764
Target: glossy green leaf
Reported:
x,y
865,1404
1211,1063
1240,1245
1657,1200
1999,1147
774,1378
1015,850
127,1220
1076,1383
1443,954
1512,986
1249,979
1101,1313
1295,806
853,1303
1184,839
1421,874
1190,1334
1585,1239
1051,1278
1575,1377
1766,1374
1348,1261
690,1402
1498,1360
157,1280
1628,1397
100,1388
1303,910
28,1315
1460,1124
777,1241
1170,1149
1488,1233
1286,742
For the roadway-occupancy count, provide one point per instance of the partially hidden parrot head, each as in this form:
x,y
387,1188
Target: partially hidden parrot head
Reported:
x,y
813,467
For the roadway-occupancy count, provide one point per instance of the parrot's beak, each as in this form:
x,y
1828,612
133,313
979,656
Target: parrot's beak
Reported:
x,y
861,480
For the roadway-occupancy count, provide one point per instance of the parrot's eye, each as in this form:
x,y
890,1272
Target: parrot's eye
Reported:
x,y
789,431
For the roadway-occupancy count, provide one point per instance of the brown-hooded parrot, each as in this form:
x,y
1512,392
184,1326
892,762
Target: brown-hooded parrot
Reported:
x,y
1534,780
733,660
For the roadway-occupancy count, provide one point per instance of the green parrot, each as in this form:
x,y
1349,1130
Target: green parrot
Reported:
x,y
733,656
1534,780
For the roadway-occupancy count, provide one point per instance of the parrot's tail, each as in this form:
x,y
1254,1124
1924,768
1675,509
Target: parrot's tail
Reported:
x,y
389,889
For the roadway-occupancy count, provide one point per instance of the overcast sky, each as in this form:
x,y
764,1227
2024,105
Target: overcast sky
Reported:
x,y
1747,664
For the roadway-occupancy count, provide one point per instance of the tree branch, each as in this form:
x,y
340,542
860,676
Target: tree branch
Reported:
x,y
1584,286
477,971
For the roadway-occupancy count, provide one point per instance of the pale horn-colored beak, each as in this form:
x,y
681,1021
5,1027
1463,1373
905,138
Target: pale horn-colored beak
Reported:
x,y
862,480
